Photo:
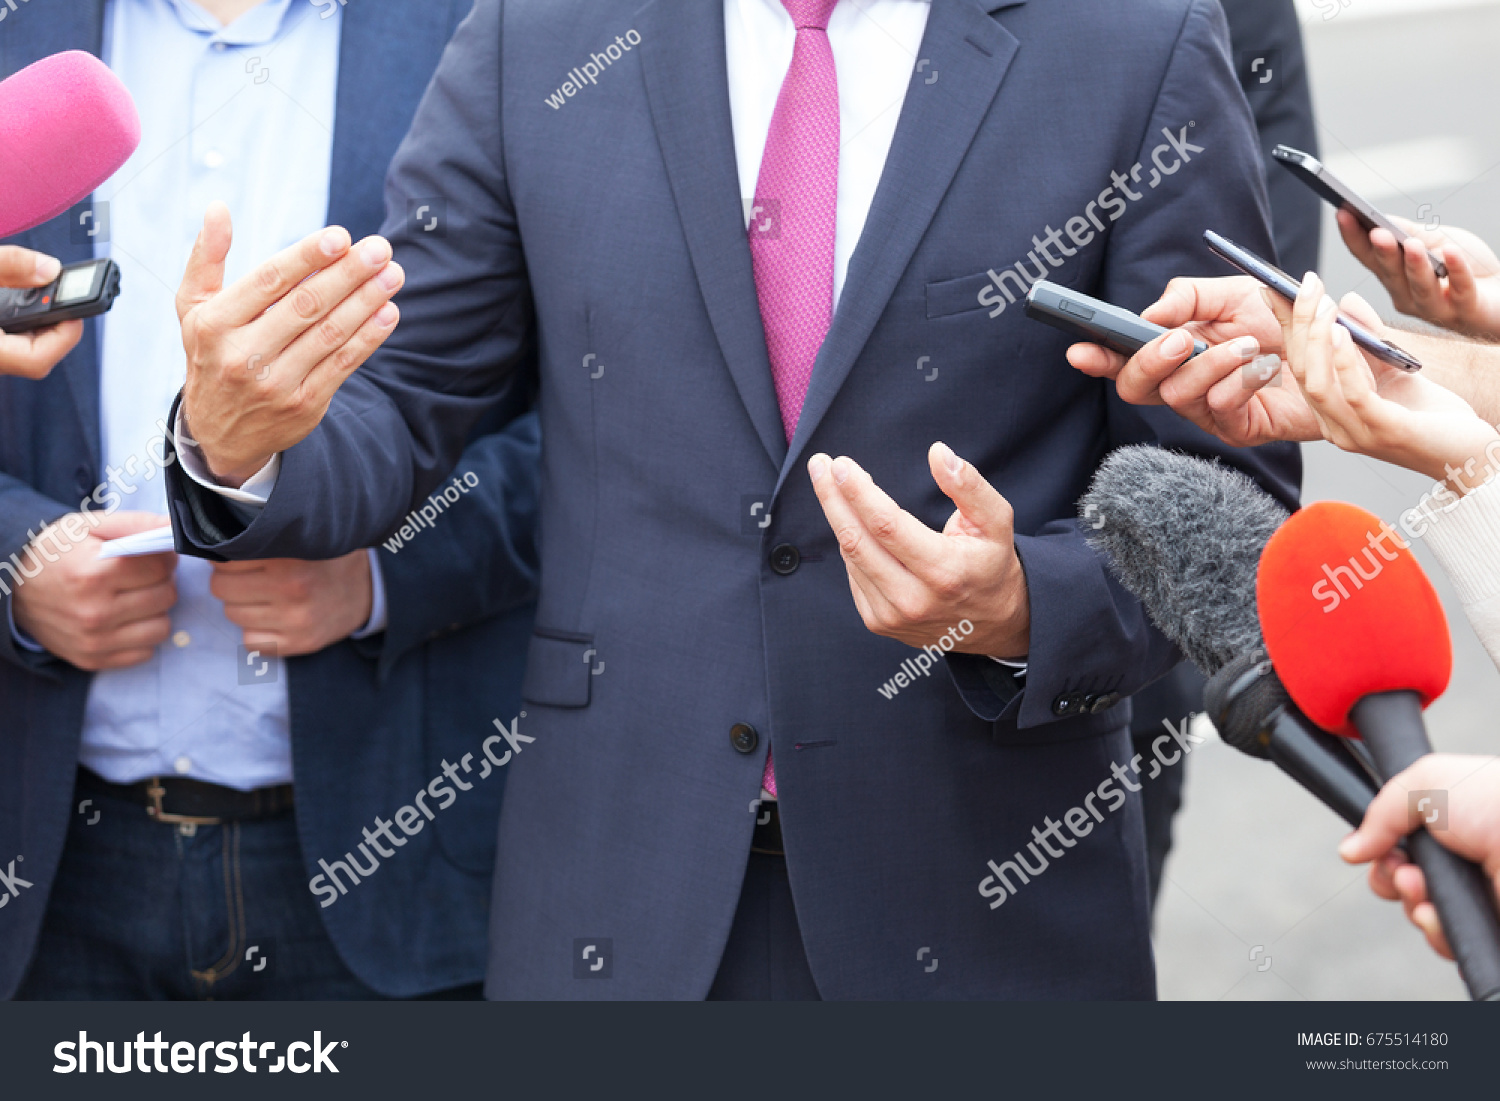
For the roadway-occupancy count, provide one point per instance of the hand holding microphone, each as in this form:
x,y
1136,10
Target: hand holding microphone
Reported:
x,y
1462,811
33,354
66,125
1358,635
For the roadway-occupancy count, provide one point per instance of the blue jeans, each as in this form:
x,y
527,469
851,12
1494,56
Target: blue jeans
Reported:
x,y
144,910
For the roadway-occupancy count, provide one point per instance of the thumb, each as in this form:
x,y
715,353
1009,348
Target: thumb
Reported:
x,y
20,267
1360,310
116,525
204,276
980,506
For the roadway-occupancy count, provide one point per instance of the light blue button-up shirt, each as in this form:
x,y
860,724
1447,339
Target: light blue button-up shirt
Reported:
x,y
244,114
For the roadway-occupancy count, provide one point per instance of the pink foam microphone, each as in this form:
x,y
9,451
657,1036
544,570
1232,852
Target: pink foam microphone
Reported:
x,y
66,125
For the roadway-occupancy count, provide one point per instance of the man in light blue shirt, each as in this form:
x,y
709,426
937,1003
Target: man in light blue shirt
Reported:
x,y
189,726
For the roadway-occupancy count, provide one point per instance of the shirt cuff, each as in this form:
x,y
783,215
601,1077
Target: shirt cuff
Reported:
x,y
252,495
20,637
1017,667
1464,537
378,611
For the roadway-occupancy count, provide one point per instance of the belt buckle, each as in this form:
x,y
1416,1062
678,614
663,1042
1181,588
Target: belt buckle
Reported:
x,y
156,791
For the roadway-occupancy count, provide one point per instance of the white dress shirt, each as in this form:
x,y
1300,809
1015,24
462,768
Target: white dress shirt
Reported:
x,y
875,45
244,114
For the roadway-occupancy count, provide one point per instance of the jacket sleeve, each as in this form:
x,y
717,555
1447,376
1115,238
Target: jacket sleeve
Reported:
x,y
476,555
400,423
1465,537
1092,643
23,512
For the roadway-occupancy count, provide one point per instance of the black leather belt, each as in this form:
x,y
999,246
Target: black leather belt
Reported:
x,y
175,800
767,839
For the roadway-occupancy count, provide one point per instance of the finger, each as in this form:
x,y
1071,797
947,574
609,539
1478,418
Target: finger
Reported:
x,y
139,605
1356,238
313,343
1187,390
980,504
1388,819
113,525
1421,281
252,566
1425,917
266,617
1095,360
330,305
1382,883
142,634
1463,288
253,294
123,575
204,276
32,355
1139,382
241,588
1186,299
325,379
856,543
873,605
21,267
1357,309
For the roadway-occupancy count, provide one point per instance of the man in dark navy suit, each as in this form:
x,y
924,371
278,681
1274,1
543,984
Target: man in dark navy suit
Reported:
x,y
762,253
270,779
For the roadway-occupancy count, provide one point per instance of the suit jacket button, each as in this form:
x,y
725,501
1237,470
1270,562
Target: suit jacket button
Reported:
x,y
743,737
1102,702
785,558
1067,704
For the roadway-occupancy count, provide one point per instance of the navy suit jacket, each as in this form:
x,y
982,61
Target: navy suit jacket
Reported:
x,y
609,233
371,721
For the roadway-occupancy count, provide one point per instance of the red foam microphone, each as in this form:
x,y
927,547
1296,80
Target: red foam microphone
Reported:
x,y
66,125
1358,636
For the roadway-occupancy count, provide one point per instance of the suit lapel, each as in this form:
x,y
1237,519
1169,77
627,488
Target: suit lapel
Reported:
x,y
969,53
28,36
687,86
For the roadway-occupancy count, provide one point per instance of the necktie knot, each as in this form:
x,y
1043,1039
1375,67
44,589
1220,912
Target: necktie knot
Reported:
x,y
809,14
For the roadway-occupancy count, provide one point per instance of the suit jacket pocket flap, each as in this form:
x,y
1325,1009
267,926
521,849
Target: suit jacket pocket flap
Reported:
x,y
559,671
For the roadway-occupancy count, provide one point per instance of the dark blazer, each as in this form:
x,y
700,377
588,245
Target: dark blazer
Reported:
x,y
680,635
372,721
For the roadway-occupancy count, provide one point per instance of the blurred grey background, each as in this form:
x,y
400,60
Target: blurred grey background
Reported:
x,y
1407,94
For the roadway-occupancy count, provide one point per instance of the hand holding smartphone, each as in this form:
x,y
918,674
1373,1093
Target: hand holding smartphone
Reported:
x,y
1315,175
1284,285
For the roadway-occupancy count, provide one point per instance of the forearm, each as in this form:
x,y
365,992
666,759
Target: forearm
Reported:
x,y
1471,369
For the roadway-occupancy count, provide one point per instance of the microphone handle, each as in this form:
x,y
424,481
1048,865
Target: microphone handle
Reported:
x,y
1391,725
1317,762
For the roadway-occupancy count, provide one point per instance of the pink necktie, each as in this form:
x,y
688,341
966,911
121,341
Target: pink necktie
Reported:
x,y
792,225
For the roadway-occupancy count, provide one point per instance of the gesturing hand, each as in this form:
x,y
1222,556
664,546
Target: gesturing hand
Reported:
x,y
915,584
33,354
265,355
95,614
289,607
1228,391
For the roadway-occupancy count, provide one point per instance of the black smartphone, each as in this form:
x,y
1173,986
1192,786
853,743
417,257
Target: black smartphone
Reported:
x,y
1315,175
80,290
1094,321
1284,285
